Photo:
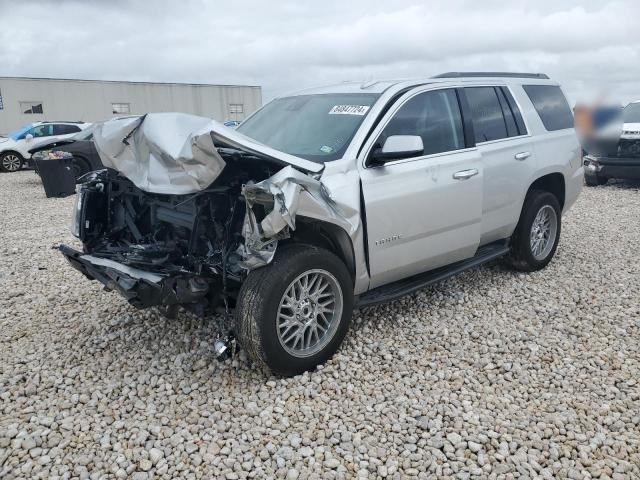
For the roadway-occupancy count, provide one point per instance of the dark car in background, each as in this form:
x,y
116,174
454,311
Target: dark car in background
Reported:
x,y
623,161
80,147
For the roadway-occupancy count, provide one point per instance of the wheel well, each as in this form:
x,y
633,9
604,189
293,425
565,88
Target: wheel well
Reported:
x,y
328,236
12,151
552,183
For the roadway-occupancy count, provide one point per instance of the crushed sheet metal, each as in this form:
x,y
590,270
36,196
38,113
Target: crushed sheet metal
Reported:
x,y
288,190
174,153
169,153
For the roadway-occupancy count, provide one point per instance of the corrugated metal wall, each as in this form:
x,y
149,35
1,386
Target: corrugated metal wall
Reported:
x,y
91,100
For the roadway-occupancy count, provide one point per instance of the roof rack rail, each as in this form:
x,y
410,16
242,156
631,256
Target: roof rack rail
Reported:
x,y
62,121
492,74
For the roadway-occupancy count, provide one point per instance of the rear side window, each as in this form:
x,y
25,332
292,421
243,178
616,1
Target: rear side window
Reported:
x,y
61,129
434,116
486,112
551,105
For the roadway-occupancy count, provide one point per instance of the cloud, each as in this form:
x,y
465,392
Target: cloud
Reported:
x,y
588,46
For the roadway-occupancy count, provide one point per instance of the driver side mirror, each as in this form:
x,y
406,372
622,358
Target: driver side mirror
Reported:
x,y
28,137
397,147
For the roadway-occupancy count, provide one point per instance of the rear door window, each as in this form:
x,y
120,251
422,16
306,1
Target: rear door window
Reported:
x,y
551,105
509,120
488,120
517,115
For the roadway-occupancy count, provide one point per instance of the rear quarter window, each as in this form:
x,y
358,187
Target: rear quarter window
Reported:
x,y
551,105
62,129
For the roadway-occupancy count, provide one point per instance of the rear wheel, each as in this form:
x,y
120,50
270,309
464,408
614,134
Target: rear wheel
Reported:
x,y
293,314
535,240
10,162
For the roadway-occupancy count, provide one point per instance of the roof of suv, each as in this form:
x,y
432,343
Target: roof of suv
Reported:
x,y
379,86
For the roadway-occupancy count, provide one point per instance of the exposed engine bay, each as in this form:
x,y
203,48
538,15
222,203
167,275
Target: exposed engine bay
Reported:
x,y
190,241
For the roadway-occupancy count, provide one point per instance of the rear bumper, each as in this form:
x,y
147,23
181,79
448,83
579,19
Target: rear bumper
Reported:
x,y
140,288
612,167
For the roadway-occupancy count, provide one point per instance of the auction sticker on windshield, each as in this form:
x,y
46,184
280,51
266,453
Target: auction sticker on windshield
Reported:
x,y
349,110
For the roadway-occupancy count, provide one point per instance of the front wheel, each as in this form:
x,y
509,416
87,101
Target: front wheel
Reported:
x,y
293,314
535,240
10,162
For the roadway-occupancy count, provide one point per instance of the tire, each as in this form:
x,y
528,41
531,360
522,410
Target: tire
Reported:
x,y
530,254
594,180
259,328
80,167
11,162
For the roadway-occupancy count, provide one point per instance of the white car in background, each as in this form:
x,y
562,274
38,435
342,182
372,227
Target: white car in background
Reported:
x,y
14,149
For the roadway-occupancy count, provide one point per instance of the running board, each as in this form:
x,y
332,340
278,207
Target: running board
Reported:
x,y
395,290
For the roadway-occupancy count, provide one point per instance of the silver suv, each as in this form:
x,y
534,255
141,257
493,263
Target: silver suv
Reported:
x,y
329,199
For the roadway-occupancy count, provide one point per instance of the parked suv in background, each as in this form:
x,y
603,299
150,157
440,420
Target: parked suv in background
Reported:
x,y
348,195
14,149
624,160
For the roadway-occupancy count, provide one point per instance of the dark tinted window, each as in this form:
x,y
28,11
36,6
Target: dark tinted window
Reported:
x,y
509,121
551,105
61,129
488,120
522,129
434,116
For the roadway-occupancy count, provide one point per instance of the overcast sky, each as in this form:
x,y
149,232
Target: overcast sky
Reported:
x,y
588,45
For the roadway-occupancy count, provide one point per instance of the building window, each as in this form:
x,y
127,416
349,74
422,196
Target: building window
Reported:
x,y
31,107
121,108
236,108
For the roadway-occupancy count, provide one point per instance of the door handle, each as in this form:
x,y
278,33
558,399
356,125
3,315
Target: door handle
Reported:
x,y
522,155
465,174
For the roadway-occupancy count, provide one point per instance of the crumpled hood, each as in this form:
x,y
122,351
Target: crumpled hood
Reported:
x,y
4,139
175,153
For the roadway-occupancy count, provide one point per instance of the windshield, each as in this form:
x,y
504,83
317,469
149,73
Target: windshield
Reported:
x,y
17,134
631,113
314,127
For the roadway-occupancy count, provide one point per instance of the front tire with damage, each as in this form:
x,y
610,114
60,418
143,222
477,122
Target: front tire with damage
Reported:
x,y
293,314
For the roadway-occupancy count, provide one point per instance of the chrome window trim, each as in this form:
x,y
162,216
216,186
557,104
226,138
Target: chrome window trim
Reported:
x,y
489,142
423,157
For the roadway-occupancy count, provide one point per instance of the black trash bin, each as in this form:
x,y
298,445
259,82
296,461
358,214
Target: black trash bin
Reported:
x,y
58,178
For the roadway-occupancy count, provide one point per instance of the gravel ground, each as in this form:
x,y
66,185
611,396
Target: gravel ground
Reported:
x,y
489,374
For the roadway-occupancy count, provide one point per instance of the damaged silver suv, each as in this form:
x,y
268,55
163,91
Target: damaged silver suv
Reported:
x,y
329,199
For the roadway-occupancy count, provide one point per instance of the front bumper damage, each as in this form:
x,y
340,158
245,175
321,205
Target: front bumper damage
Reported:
x,y
140,288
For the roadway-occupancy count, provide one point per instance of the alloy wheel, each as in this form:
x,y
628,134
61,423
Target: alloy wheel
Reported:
x,y
543,232
11,162
309,313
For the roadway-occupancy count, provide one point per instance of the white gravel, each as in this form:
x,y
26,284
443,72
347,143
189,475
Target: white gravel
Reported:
x,y
490,374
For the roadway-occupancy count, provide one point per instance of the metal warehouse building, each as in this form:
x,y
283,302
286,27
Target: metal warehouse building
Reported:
x,y
26,100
